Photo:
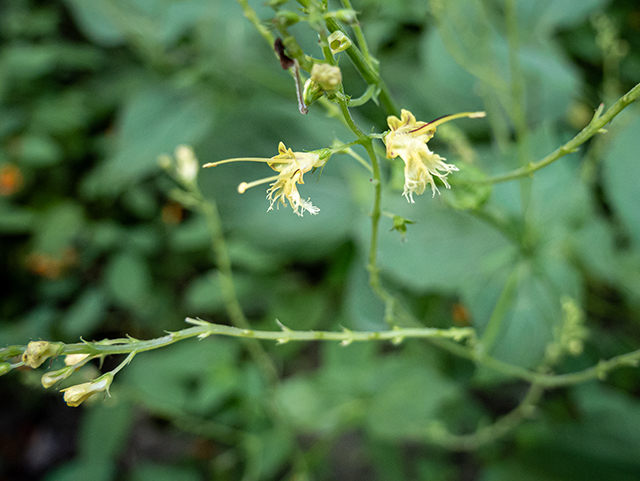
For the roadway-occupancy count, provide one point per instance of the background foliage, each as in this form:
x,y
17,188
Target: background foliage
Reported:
x,y
92,93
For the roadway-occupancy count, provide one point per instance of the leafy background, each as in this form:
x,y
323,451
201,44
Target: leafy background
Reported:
x,y
92,93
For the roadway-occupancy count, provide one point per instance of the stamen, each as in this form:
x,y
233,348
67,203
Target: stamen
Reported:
x,y
248,159
242,188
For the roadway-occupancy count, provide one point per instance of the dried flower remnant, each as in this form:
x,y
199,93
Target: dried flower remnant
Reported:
x,y
291,167
39,351
408,139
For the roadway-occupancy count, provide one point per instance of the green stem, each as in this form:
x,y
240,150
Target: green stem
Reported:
x,y
597,123
357,30
204,329
488,434
368,73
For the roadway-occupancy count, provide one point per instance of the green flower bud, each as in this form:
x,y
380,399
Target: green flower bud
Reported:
x,y
311,92
286,19
5,367
338,42
346,15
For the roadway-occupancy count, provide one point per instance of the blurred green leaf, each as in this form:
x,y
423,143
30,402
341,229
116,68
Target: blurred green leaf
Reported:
x,y
390,415
621,169
58,228
163,472
155,121
128,279
39,151
104,432
86,313
192,377
81,469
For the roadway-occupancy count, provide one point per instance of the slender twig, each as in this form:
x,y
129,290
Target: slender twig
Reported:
x,y
598,121
488,434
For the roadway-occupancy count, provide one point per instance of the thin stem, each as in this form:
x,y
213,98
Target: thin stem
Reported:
x,y
488,434
446,339
236,314
357,30
597,123
368,73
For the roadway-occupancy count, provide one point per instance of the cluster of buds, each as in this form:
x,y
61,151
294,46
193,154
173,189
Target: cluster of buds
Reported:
x,y
37,352
325,80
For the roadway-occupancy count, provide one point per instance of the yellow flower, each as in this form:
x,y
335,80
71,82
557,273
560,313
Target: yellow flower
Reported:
x,y
408,139
76,395
291,166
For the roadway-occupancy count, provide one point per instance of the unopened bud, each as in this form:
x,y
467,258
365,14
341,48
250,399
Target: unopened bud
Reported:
x,y
39,351
5,367
50,378
286,19
345,15
72,359
76,395
187,163
311,92
326,76
338,42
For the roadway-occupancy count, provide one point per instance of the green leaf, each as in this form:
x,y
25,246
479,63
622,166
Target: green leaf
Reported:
x,y
160,472
104,432
190,377
155,121
39,151
409,398
128,279
85,314
58,228
81,469
621,171
441,249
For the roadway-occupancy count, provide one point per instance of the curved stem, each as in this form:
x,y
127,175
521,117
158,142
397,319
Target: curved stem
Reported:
x,y
597,123
491,433
368,74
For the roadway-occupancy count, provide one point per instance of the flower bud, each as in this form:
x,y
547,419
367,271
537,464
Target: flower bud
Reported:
x,y
5,367
338,42
286,18
187,163
50,378
76,395
39,351
345,15
73,359
311,92
328,77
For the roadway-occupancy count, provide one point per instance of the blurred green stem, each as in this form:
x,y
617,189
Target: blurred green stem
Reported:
x,y
598,121
488,434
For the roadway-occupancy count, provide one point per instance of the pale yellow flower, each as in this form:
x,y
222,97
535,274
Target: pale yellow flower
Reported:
x,y
76,395
291,166
408,139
